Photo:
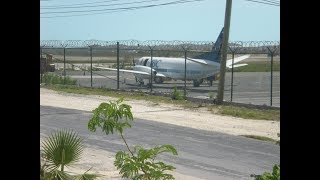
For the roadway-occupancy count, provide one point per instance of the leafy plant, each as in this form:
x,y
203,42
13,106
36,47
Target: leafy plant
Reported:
x,y
144,160
268,176
177,95
60,149
56,79
138,163
85,176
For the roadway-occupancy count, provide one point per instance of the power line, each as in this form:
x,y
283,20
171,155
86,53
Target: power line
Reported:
x,y
263,3
131,8
101,12
70,7
86,14
277,2
125,8
97,2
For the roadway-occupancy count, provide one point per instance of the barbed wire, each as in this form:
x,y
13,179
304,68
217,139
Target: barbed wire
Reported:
x,y
175,45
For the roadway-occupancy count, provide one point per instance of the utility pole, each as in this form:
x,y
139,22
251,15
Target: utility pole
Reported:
x,y
224,51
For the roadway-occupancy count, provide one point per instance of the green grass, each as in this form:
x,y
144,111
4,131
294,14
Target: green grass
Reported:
x,y
262,138
258,67
246,113
117,94
48,78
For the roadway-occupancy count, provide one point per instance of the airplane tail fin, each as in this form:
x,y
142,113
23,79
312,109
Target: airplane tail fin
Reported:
x,y
218,43
214,55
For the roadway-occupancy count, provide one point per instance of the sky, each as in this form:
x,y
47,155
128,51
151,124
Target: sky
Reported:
x,y
193,21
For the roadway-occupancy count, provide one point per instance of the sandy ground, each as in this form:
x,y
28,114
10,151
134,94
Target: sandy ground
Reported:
x,y
100,162
199,119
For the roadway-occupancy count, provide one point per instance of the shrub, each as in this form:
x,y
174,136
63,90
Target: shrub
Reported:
x,y
177,95
268,176
56,79
136,163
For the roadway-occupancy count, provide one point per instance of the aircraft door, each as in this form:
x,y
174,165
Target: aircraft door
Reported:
x,y
145,62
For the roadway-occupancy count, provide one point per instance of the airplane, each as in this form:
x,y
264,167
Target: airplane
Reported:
x,y
200,67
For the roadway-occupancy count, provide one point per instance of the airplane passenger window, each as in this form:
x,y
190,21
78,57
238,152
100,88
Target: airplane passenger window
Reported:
x,y
145,62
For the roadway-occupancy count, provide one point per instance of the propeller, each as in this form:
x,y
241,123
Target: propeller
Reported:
x,y
133,63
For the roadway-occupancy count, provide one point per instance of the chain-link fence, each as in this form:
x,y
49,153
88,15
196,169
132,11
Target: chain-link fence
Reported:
x,y
95,64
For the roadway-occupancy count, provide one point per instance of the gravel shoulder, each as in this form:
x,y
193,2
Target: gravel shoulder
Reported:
x,y
166,113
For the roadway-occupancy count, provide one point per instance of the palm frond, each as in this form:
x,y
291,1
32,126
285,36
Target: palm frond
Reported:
x,y
55,175
62,148
86,176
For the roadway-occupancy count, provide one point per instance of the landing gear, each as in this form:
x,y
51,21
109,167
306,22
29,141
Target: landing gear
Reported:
x,y
140,81
210,79
196,83
149,85
158,80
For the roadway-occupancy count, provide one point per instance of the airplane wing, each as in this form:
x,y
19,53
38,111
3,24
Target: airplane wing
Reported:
x,y
237,65
237,59
160,75
130,71
123,70
229,62
200,61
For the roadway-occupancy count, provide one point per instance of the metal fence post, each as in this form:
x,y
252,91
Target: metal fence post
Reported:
x,y
64,65
232,77
91,64
151,71
41,51
271,79
233,51
185,74
41,66
151,64
118,59
271,73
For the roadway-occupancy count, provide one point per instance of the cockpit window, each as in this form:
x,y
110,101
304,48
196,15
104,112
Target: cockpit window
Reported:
x,y
145,62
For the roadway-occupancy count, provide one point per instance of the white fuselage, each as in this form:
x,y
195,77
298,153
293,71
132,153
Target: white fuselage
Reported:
x,y
175,67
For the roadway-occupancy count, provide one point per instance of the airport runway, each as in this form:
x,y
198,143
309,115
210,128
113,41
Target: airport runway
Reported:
x,y
248,87
202,154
